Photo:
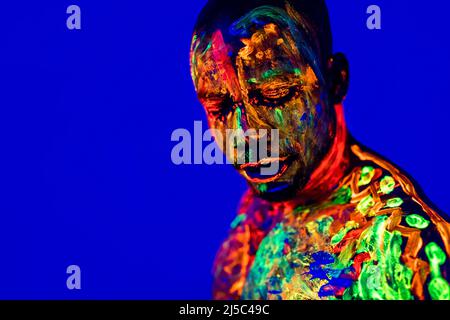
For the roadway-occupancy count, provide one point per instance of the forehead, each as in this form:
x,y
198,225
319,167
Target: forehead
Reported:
x,y
263,40
267,42
268,52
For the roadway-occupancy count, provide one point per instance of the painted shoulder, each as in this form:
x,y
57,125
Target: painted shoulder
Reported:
x,y
392,197
233,261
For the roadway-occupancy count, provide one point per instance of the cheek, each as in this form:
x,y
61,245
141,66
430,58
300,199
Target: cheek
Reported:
x,y
302,126
218,131
292,119
222,131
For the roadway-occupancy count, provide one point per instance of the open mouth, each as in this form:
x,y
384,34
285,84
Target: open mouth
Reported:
x,y
259,172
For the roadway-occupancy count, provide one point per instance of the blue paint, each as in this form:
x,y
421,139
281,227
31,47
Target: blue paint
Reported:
x,y
303,118
279,187
302,125
338,279
323,258
319,109
316,268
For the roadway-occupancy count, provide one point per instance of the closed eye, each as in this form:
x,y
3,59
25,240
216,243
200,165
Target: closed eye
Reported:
x,y
275,93
273,97
217,105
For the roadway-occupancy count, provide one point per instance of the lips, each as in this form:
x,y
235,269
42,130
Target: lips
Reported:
x,y
254,173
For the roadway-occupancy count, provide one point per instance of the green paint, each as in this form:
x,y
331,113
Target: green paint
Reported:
x,y
279,116
269,254
342,196
238,220
342,233
365,204
384,277
238,118
262,187
367,174
387,185
252,80
438,287
301,209
209,46
297,72
416,221
324,225
348,294
375,236
436,256
339,236
394,203
270,74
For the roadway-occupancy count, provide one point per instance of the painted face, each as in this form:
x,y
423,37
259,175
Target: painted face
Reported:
x,y
264,81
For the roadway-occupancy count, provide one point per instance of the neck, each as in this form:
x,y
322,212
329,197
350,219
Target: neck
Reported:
x,y
326,177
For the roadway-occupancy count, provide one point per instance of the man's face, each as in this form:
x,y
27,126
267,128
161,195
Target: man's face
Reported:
x,y
266,83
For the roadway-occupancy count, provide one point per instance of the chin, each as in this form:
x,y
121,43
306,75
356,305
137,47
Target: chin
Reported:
x,y
282,187
275,191
278,189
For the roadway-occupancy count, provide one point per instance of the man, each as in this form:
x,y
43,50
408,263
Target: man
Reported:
x,y
336,221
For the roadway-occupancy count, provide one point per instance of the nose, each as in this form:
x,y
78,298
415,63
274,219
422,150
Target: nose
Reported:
x,y
240,121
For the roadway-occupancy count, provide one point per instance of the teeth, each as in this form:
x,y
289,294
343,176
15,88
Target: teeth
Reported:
x,y
267,161
263,162
270,160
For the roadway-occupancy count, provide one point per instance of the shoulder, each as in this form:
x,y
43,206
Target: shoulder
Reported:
x,y
237,252
424,231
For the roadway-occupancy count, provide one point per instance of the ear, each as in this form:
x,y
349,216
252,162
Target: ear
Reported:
x,y
338,77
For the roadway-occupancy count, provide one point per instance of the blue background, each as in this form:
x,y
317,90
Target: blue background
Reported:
x,y
85,124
